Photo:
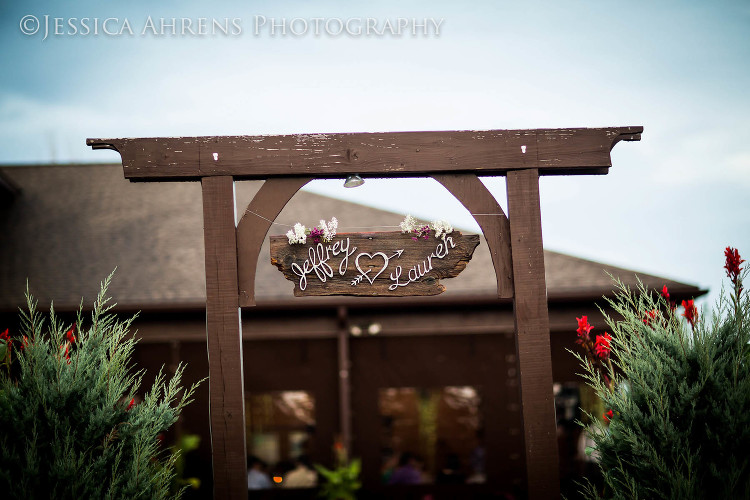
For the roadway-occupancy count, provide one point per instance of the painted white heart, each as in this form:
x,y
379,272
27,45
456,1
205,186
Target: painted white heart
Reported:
x,y
371,256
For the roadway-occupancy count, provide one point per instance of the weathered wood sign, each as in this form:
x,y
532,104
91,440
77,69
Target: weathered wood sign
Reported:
x,y
373,264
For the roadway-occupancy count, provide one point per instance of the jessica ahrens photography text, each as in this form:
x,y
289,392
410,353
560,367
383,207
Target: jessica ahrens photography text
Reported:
x,y
47,26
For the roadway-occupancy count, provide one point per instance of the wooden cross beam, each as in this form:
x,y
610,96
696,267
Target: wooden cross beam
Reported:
x,y
389,154
455,159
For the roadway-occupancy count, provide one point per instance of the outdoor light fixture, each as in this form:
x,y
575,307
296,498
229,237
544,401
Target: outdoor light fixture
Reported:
x,y
353,180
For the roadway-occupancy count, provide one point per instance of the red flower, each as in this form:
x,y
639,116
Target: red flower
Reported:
x,y
650,316
691,313
130,405
25,343
583,328
665,294
6,337
602,347
70,334
66,353
608,415
732,264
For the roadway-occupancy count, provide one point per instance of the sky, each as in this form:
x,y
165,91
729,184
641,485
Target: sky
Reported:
x,y
669,206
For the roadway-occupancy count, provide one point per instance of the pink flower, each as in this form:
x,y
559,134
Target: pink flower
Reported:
x,y
316,234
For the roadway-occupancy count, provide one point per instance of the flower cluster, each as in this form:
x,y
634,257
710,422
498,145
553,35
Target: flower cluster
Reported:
x,y
422,230
599,346
409,224
597,349
650,316
602,347
690,313
441,227
665,293
733,267
325,232
70,340
297,235
6,343
6,337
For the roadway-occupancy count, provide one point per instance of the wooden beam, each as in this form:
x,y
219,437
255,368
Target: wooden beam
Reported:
x,y
532,335
224,333
388,154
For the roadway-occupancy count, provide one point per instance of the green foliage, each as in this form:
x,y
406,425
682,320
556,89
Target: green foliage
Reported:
x,y
69,430
186,444
342,482
680,398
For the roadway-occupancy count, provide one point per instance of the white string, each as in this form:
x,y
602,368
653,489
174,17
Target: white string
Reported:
x,y
347,227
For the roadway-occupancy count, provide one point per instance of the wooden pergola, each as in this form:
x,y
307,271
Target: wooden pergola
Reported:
x,y
455,159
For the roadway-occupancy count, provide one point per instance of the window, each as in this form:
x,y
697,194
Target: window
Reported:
x,y
280,427
436,432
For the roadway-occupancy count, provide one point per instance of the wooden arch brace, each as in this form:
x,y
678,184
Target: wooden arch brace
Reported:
x,y
475,196
265,206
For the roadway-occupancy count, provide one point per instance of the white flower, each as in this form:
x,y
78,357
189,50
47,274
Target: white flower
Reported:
x,y
409,224
441,227
297,235
329,230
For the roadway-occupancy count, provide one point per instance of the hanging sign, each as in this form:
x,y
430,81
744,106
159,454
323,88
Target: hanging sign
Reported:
x,y
383,264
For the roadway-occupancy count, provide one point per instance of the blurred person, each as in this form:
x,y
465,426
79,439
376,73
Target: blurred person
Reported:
x,y
302,476
408,470
257,479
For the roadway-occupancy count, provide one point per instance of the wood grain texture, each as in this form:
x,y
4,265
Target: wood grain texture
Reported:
x,y
224,332
532,335
388,154
265,206
485,209
363,250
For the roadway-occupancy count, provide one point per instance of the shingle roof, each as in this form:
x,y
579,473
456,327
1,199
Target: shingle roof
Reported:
x,y
72,225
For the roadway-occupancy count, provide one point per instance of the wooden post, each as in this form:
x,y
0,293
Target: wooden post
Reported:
x,y
345,408
532,335
224,335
